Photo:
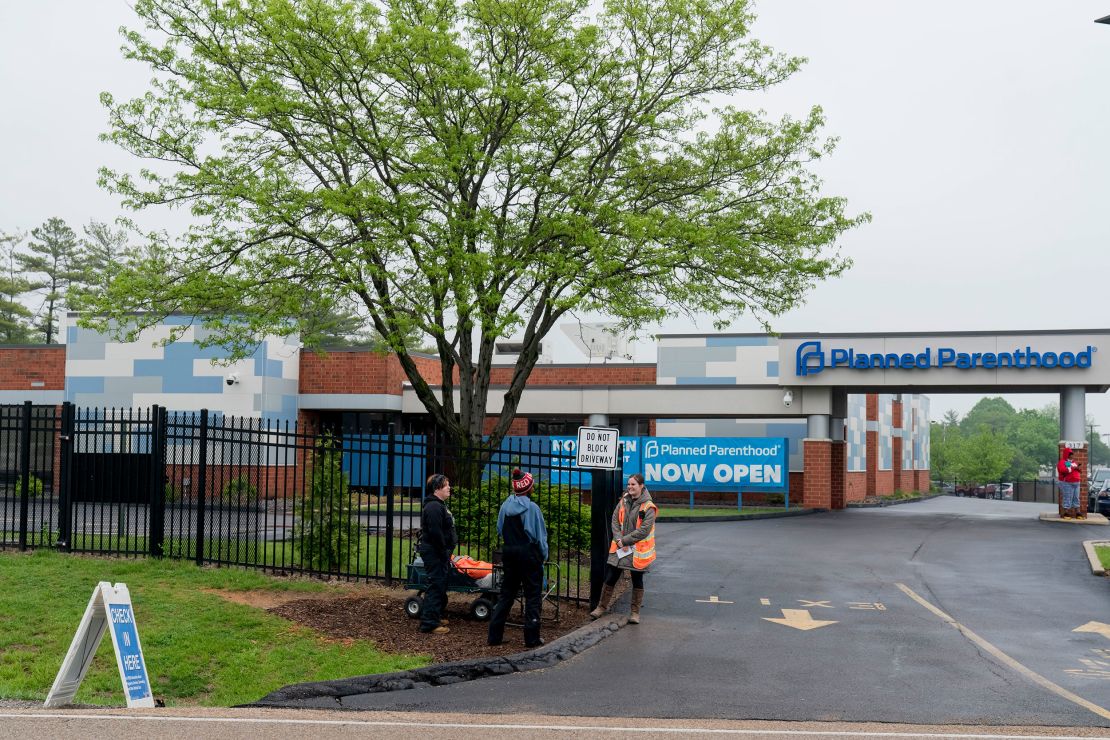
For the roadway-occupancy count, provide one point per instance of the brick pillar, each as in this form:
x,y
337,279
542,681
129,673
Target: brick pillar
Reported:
x,y
872,444
817,483
838,494
1079,456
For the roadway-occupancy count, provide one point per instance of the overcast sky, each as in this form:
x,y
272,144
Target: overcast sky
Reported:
x,y
977,134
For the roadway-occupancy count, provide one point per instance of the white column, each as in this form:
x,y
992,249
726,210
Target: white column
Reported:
x,y
1073,414
599,420
817,426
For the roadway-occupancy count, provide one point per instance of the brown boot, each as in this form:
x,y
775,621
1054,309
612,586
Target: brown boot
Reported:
x,y
603,602
637,600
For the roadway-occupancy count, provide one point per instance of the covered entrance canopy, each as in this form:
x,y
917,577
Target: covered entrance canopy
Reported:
x,y
1068,362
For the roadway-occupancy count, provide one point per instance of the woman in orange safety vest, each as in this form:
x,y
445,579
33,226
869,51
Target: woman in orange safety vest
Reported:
x,y
632,547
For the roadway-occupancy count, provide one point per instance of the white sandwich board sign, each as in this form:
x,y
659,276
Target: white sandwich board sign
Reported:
x,y
598,448
109,610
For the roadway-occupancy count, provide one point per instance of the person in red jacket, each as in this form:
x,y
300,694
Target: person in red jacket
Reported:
x,y
1068,477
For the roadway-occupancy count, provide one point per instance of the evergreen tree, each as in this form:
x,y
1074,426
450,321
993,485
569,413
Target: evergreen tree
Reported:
x,y
15,317
54,263
104,254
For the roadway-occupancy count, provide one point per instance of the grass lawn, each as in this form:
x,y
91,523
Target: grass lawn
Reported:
x,y
668,511
200,649
1103,552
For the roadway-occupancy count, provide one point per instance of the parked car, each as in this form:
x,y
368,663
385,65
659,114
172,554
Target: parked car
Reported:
x,y
1099,503
1006,491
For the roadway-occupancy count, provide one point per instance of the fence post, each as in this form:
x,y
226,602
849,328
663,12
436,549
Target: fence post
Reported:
x,y
600,512
202,483
65,479
24,473
389,507
156,518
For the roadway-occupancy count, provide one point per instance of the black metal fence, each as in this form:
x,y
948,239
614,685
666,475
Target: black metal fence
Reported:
x,y
279,497
1035,491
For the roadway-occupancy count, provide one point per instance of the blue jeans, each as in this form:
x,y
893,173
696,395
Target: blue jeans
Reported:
x,y
1069,494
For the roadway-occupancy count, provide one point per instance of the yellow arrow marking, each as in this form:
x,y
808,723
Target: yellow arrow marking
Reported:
x,y
1099,627
799,619
712,600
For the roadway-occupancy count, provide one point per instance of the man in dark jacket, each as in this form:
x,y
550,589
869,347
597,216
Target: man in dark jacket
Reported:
x,y
437,540
521,526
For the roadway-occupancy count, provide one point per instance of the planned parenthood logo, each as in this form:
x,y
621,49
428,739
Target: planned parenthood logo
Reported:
x,y
810,360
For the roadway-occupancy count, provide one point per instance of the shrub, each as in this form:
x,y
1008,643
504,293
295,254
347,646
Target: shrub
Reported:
x,y
475,511
34,487
238,490
776,499
327,519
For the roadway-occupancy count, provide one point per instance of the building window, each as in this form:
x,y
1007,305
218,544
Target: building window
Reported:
x,y
553,427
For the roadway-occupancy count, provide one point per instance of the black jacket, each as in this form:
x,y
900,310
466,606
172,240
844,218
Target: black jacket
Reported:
x,y
437,528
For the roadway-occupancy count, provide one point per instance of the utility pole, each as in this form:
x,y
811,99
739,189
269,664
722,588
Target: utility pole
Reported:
x,y
1091,448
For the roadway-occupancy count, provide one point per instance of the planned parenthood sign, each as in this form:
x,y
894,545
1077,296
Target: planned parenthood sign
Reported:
x,y
730,463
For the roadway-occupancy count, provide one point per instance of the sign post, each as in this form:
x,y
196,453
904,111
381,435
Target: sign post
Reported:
x,y
599,450
110,606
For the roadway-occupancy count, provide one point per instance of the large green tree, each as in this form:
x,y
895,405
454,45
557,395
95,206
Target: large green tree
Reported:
x,y
52,263
983,455
467,170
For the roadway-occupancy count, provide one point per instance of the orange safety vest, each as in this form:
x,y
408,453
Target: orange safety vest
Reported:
x,y
643,552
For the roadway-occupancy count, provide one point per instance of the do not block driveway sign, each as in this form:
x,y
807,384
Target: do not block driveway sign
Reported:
x,y
598,448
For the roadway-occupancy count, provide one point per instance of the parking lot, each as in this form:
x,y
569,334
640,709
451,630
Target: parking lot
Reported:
x,y
947,611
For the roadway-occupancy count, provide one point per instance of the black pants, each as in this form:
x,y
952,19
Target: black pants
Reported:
x,y
613,574
522,570
435,598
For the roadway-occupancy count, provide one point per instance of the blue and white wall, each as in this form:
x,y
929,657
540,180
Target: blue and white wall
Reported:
x,y
180,375
717,360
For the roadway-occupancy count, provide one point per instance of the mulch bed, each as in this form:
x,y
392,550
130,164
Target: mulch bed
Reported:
x,y
380,617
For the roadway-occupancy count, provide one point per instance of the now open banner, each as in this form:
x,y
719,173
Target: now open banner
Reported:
x,y
722,463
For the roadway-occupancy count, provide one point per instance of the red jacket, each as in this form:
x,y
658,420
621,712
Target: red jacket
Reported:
x,y
1066,470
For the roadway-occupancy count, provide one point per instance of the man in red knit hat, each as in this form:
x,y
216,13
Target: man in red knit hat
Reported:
x,y
521,526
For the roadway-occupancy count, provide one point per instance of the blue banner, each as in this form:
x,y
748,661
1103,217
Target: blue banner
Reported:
x,y
667,463
714,463
365,459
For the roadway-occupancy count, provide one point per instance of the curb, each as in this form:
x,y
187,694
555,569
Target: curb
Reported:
x,y
736,517
442,674
1092,556
1097,520
882,504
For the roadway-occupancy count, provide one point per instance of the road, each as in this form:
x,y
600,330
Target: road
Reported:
x,y
947,611
238,724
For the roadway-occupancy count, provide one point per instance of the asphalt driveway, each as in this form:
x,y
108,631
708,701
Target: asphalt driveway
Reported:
x,y
947,611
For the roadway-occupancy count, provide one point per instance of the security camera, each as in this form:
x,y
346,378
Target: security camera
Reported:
x,y
231,378
788,398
